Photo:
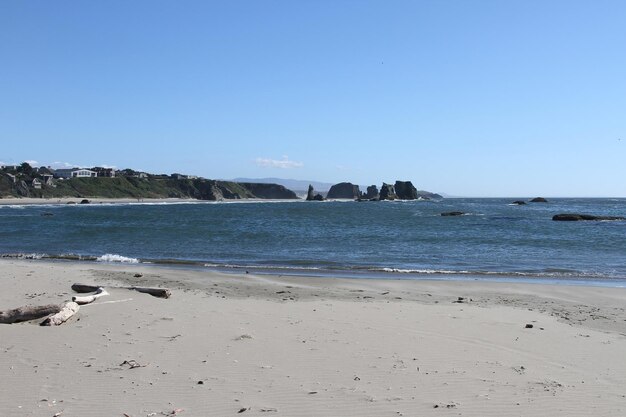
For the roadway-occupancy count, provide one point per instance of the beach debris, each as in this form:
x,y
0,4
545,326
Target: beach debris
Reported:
x,y
132,364
200,382
242,410
173,412
459,300
519,369
268,410
155,292
528,326
138,275
81,300
67,311
243,337
27,313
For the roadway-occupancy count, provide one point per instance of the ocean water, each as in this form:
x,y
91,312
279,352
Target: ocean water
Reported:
x,y
406,239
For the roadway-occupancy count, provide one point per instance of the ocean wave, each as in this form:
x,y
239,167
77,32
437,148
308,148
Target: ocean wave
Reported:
x,y
24,255
549,273
280,268
109,257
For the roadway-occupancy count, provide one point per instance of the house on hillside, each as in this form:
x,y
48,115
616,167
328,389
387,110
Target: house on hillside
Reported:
x,y
104,172
75,173
36,184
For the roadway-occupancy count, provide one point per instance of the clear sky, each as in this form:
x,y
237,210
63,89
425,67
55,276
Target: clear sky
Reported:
x,y
472,98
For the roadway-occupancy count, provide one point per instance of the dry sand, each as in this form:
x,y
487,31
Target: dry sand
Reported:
x,y
226,345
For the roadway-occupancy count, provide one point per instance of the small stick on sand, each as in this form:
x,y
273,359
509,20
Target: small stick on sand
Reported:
x,y
155,292
86,299
69,309
27,313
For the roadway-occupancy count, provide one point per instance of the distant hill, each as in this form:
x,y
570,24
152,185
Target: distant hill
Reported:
x,y
297,186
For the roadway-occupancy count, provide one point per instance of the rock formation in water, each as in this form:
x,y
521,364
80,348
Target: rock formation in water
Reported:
x,y
344,190
312,196
519,203
372,193
538,200
574,217
405,190
387,192
452,213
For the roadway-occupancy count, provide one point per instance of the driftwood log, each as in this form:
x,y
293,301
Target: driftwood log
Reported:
x,y
27,313
69,309
86,299
155,292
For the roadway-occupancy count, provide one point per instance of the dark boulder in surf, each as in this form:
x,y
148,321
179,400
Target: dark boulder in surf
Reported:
x,y
538,200
518,203
345,190
452,213
405,190
575,217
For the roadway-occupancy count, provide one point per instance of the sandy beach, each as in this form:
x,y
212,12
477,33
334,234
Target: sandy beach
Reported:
x,y
261,345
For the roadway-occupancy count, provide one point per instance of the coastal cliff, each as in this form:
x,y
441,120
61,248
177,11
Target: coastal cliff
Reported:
x,y
133,187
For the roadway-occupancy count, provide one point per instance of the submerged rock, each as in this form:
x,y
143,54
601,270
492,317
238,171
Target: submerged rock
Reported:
x,y
574,217
453,213
519,203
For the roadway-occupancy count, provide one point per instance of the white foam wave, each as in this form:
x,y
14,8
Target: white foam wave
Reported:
x,y
109,257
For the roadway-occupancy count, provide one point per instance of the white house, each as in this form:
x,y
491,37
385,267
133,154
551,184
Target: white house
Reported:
x,y
36,184
84,173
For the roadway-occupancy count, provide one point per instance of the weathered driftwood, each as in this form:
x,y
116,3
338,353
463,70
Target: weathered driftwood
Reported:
x,y
69,309
155,292
86,299
27,313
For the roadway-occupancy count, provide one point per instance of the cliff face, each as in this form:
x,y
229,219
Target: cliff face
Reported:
x,y
344,190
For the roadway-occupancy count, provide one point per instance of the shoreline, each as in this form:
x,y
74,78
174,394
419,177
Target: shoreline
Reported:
x,y
95,201
361,273
293,346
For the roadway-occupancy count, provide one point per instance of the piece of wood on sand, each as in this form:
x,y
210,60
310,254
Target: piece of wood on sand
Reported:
x,y
155,292
86,299
69,309
27,313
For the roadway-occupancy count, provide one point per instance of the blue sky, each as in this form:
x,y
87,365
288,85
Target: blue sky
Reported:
x,y
473,98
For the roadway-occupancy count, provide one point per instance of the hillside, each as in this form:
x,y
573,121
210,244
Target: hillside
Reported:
x,y
132,187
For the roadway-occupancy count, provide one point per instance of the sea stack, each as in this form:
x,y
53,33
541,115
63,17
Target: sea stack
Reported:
x,y
311,196
405,190
345,190
387,192
372,193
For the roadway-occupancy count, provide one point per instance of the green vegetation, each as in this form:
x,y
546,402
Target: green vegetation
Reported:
x,y
19,183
